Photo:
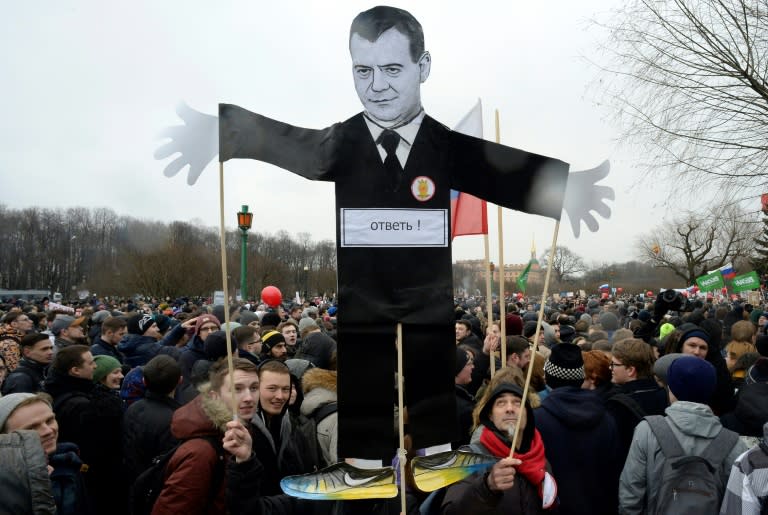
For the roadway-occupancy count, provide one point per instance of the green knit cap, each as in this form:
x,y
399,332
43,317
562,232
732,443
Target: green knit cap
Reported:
x,y
104,365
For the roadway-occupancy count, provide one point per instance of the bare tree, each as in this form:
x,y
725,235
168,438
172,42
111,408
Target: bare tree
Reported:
x,y
695,243
565,264
689,79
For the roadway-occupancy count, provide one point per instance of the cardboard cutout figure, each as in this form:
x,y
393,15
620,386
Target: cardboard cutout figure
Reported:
x,y
393,167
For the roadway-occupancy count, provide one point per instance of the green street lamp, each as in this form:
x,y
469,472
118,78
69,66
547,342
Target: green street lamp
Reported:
x,y
244,221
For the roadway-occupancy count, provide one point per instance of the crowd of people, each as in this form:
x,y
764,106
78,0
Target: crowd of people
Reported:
x,y
97,395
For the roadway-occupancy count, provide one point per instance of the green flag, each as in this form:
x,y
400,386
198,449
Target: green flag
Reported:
x,y
709,282
523,279
746,282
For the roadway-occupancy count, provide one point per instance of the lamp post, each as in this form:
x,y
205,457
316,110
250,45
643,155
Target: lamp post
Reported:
x,y
244,220
306,282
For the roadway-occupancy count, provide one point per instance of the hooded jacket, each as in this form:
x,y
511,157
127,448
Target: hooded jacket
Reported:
x,y
193,469
147,432
139,349
91,416
28,377
577,430
320,389
279,459
695,426
24,477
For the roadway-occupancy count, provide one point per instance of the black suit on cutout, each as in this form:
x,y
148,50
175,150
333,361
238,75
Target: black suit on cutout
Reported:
x,y
381,286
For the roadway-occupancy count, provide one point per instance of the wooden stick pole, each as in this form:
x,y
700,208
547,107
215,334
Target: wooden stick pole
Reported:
x,y
502,297
223,238
401,412
538,331
488,293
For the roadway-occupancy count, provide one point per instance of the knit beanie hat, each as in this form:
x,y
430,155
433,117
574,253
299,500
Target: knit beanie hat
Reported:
x,y
270,318
755,315
206,319
665,329
692,379
696,332
529,329
762,344
514,324
307,323
462,358
644,315
270,339
565,366
661,367
567,333
608,321
757,373
163,323
215,346
138,324
246,317
104,365
8,403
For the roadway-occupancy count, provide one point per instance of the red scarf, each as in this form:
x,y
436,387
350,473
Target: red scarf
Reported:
x,y
533,461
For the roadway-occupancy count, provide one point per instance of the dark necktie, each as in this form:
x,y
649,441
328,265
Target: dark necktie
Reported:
x,y
389,139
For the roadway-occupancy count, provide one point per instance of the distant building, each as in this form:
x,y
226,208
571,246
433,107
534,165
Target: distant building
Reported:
x,y
475,268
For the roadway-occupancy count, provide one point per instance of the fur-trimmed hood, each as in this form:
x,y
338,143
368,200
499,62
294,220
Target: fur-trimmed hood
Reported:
x,y
318,378
319,389
203,416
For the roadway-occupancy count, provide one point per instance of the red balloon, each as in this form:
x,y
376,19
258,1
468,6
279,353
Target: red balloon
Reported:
x,y
272,296
604,295
649,294
619,290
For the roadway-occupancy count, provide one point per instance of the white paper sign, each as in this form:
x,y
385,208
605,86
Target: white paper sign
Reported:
x,y
394,227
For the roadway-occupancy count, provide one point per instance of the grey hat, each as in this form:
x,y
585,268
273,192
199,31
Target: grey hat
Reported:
x,y
61,322
100,316
661,367
246,317
9,403
305,323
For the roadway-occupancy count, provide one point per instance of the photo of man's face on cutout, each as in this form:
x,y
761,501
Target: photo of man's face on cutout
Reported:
x,y
388,70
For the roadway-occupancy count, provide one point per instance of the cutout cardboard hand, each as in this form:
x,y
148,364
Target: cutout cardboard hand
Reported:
x,y
583,195
197,140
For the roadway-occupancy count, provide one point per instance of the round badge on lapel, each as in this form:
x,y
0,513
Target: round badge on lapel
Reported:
x,y
423,188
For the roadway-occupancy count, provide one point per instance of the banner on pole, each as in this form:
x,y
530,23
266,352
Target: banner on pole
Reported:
x,y
709,282
746,282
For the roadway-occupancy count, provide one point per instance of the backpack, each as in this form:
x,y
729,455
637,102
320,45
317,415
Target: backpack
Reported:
x,y
305,437
690,484
147,487
67,484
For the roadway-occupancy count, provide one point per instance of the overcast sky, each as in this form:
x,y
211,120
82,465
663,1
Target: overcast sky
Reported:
x,y
88,85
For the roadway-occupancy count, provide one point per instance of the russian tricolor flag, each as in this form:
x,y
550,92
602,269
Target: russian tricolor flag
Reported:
x,y
728,271
469,214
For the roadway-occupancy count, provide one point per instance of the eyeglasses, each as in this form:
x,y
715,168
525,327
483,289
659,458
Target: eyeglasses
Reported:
x,y
614,365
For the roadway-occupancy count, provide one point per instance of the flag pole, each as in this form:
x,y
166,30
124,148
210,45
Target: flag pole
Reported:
x,y
223,239
401,418
538,331
502,298
488,298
